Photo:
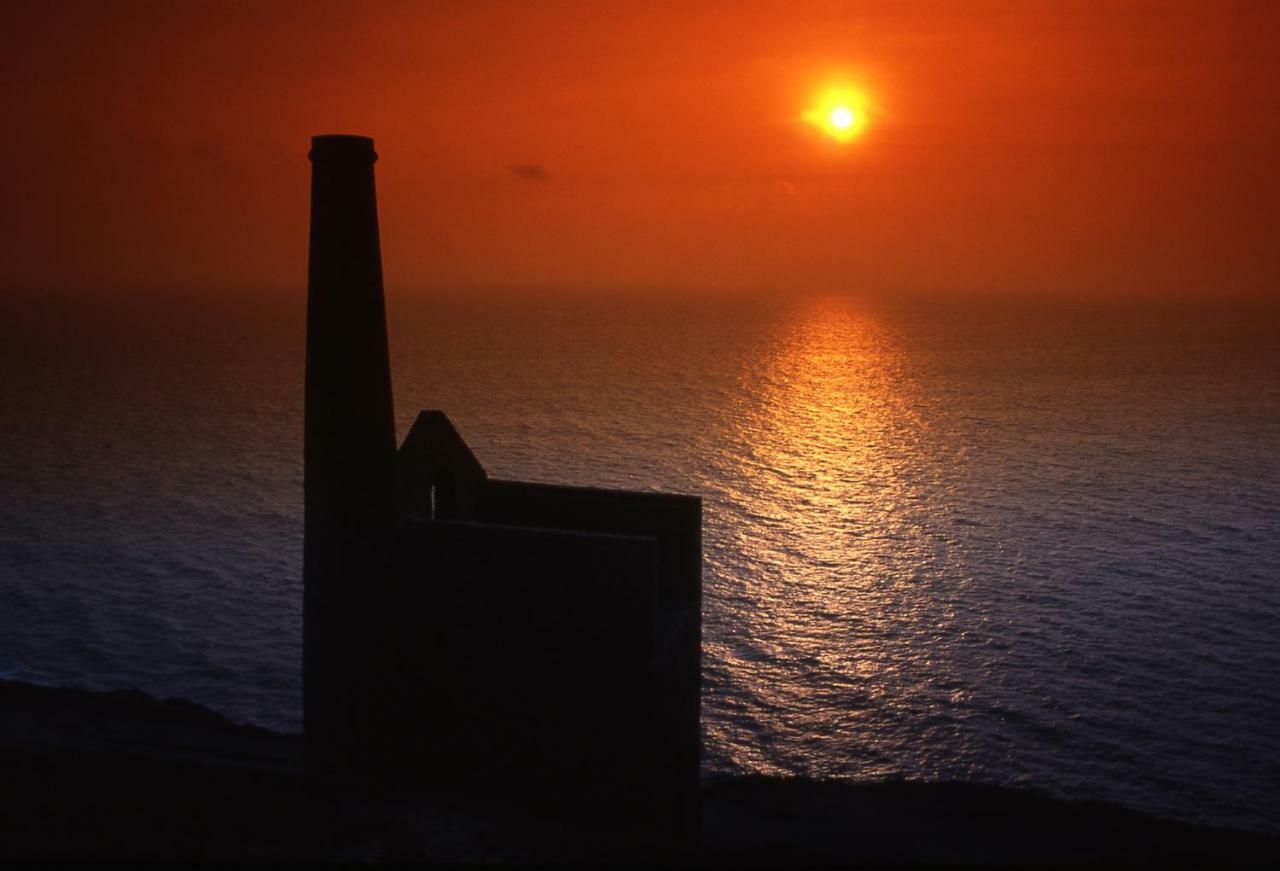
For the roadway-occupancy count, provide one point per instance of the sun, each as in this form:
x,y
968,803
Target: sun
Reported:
x,y
841,117
841,113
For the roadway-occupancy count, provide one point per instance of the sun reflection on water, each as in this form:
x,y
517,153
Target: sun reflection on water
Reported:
x,y
825,508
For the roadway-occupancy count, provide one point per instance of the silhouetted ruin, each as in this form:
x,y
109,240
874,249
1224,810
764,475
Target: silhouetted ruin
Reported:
x,y
470,634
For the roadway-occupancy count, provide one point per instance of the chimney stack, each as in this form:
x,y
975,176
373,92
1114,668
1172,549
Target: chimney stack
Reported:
x,y
349,452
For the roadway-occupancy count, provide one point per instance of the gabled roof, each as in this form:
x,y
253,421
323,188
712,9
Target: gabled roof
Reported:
x,y
435,456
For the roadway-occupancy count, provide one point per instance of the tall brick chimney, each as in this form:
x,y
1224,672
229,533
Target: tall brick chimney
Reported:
x,y
349,452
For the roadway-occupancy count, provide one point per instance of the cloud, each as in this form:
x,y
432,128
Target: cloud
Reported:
x,y
530,172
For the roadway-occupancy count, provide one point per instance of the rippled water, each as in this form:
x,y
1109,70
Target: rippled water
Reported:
x,y
1023,548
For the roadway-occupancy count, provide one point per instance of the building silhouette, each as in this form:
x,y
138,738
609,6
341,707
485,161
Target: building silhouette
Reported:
x,y
532,643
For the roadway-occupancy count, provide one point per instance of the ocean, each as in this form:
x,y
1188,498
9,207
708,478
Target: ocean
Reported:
x,y
1022,545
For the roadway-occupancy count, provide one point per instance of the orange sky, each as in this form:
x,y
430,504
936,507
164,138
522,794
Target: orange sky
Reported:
x,y
1091,147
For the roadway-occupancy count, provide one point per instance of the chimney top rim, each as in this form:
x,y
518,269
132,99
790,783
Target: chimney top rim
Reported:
x,y
342,145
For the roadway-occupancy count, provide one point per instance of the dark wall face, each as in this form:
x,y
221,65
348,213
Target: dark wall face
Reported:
x,y
675,524
521,661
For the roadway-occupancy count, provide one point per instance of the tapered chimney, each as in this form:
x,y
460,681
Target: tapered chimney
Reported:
x,y
349,451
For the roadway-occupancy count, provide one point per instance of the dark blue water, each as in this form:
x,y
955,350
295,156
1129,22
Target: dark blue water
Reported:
x,y
1032,547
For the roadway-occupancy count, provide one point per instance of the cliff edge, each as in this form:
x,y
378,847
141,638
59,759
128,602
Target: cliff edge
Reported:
x,y
122,775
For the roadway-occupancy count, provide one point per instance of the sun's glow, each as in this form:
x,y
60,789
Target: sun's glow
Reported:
x,y
841,113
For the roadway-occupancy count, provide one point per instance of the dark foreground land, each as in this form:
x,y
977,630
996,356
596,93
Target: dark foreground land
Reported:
x,y
124,776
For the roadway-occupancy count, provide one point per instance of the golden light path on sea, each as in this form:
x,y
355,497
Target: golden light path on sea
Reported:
x,y
828,504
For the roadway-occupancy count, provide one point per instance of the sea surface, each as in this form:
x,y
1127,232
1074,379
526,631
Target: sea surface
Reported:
x,y
1018,545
